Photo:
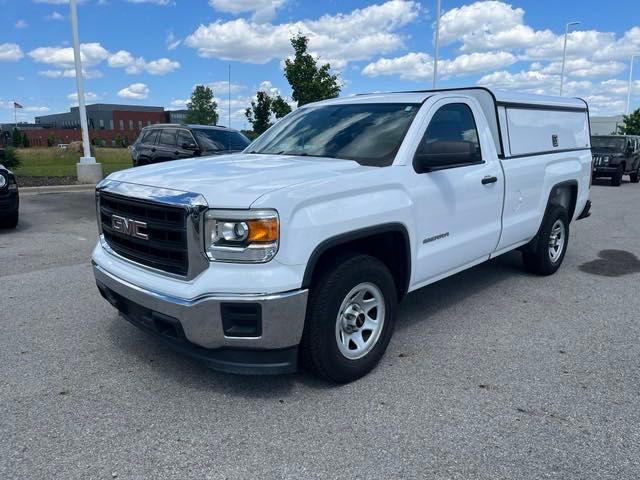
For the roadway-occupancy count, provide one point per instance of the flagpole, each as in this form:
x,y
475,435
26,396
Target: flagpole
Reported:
x,y
87,169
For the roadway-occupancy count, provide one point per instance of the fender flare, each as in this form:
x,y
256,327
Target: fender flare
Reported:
x,y
342,238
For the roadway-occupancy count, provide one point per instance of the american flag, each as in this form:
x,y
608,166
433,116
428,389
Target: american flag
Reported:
x,y
17,105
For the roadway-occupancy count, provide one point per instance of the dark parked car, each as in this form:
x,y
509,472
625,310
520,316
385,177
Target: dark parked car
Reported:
x,y
163,142
9,200
615,156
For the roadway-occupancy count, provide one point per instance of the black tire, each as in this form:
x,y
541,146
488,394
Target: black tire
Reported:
x,y
616,178
635,176
536,256
319,351
10,221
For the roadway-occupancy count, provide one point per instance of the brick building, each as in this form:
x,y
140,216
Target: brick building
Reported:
x,y
106,122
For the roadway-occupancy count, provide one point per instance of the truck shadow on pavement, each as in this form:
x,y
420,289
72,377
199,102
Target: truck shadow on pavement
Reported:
x,y
138,347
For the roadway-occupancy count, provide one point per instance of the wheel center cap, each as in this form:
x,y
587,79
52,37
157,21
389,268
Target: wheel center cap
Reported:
x,y
352,318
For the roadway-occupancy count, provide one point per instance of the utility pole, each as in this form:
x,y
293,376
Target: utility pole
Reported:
x,y
564,52
436,45
87,169
630,84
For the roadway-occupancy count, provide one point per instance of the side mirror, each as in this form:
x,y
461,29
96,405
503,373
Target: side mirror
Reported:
x,y
189,146
445,154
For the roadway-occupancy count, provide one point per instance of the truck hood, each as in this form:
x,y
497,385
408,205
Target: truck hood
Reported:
x,y
236,181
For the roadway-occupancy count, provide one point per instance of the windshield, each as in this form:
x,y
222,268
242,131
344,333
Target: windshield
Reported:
x,y
370,134
211,139
615,144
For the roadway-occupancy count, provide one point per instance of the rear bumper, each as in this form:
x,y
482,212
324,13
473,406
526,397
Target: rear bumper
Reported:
x,y
204,329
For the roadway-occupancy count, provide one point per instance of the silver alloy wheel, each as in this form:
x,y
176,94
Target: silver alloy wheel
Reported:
x,y
556,240
360,320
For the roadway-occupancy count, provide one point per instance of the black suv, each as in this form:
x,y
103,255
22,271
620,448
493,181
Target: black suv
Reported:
x,y
615,156
163,142
9,200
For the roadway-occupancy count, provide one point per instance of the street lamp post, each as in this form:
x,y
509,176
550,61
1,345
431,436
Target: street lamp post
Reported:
x,y
630,83
564,52
87,169
436,45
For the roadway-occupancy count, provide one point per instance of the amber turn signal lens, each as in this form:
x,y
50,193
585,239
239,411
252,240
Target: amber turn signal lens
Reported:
x,y
263,230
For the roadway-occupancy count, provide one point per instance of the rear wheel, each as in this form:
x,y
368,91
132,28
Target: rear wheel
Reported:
x,y
350,318
545,253
616,178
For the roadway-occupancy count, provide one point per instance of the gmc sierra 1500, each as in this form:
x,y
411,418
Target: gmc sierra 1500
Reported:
x,y
302,246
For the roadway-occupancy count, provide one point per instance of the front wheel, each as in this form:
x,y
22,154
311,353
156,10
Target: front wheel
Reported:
x,y
635,176
350,318
616,179
545,253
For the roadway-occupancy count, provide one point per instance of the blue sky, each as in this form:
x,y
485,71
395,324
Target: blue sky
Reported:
x,y
153,52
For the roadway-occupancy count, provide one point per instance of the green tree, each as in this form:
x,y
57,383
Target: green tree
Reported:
x,y
51,140
259,113
309,83
16,138
25,141
630,124
202,107
11,159
279,106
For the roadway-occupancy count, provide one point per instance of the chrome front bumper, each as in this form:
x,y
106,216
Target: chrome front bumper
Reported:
x,y
200,319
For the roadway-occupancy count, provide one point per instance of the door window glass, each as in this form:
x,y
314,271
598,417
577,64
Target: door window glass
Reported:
x,y
452,123
151,137
184,137
168,137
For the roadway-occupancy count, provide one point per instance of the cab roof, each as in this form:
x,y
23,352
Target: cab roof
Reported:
x,y
504,97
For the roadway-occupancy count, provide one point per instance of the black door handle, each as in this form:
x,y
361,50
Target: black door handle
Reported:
x,y
153,149
489,179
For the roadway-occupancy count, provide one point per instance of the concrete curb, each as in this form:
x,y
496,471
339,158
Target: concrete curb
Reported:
x,y
86,187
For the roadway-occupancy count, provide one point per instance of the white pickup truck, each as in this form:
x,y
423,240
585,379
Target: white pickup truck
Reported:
x,y
301,247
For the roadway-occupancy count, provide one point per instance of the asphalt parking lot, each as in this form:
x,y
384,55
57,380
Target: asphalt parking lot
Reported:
x,y
492,373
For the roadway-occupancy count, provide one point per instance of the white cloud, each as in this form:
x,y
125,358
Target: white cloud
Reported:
x,y
263,10
124,59
172,42
69,73
338,39
222,86
10,52
179,104
94,53
135,91
55,16
37,109
488,25
21,24
88,98
583,68
62,57
419,66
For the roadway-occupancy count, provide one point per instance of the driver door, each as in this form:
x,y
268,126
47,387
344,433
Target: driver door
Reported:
x,y
458,207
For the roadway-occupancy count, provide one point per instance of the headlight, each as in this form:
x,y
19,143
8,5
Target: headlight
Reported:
x,y
605,160
244,236
3,181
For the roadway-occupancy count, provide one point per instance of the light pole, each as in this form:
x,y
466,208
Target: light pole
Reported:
x,y
630,83
436,45
87,169
564,52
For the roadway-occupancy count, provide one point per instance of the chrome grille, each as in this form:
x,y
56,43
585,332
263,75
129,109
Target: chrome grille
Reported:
x,y
165,249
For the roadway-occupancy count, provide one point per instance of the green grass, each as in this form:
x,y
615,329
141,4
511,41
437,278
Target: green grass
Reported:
x,y
54,162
